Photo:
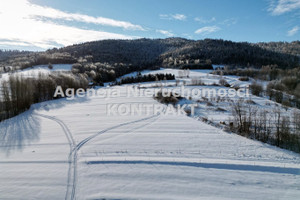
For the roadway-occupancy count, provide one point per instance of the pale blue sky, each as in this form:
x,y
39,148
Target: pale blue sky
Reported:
x,y
42,24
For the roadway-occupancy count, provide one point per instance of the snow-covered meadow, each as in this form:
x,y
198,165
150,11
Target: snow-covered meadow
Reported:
x,y
74,150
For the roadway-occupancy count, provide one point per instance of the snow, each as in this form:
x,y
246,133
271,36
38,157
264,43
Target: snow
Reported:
x,y
56,67
73,149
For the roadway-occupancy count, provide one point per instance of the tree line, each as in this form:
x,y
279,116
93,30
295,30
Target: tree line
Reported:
x,y
100,73
268,126
145,78
19,93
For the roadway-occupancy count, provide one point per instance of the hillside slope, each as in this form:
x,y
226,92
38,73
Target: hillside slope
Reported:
x,y
76,150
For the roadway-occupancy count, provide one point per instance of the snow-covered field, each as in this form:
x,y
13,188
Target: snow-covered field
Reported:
x,y
74,150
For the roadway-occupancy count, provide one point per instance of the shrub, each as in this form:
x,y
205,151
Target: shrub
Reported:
x,y
220,109
249,101
270,90
244,78
290,83
278,96
286,103
256,89
146,78
223,82
197,81
50,66
209,104
168,99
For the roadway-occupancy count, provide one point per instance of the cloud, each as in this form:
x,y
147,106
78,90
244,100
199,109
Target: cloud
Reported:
x,y
47,35
22,25
40,11
166,33
278,7
293,31
207,30
229,22
204,21
179,17
13,43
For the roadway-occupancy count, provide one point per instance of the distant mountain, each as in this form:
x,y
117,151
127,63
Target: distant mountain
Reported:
x,y
140,51
7,54
170,52
165,51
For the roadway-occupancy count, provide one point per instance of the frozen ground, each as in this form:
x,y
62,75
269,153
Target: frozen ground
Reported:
x,y
74,150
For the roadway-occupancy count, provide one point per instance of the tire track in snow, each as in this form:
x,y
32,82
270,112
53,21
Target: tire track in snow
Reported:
x,y
124,124
72,158
86,140
63,126
83,142
72,144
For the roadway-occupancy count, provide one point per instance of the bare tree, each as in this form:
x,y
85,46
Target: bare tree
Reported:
x,y
238,114
277,120
296,122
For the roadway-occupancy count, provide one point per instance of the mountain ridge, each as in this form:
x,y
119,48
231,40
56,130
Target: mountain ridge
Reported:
x,y
169,52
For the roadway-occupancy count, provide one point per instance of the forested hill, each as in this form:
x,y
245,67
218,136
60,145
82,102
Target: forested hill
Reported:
x,y
170,52
7,54
292,48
